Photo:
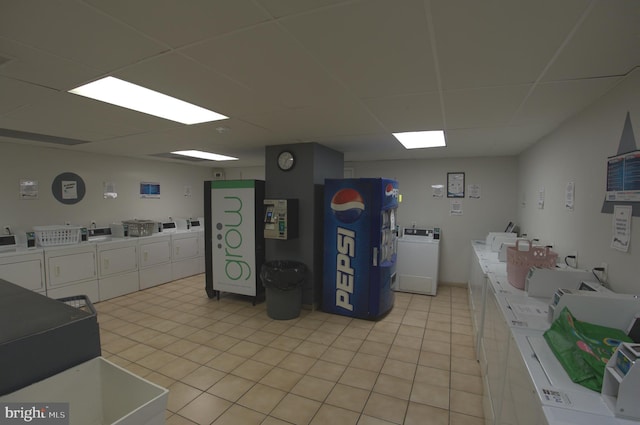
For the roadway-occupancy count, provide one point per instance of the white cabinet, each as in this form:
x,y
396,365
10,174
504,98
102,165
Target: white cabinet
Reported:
x,y
117,267
154,259
24,268
187,255
493,351
71,270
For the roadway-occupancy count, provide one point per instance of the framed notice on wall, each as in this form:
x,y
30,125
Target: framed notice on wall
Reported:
x,y
455,185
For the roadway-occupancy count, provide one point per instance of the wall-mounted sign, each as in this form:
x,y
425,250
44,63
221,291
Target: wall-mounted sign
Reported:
x,y
29,189
68,188
149,190
455,185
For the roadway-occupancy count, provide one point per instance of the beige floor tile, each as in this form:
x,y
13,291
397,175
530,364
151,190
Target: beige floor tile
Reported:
x,y
270,355
298,332
296,409
226,362
245,349
282,379
231,387
393,386
270,420
338,355
327,370
178,368
358,378
285,343
367,362
204,409
237,415
438,347
436,360
160,379
399,369
313,388
310,349
466,366
468,383
409,355
433,376
297,363
240,332
202,354
433,395
136,352
252,370
375,348
157,360
179,420
466,403
406,367
381,337
331,415
180,395
421,414
387,408
460,419
347,343
348,397
262,337
262,398
203,377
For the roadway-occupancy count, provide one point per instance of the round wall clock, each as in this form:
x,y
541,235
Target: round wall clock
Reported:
x,y
286,160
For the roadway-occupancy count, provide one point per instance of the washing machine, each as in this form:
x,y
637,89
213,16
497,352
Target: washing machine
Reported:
x,y
417,261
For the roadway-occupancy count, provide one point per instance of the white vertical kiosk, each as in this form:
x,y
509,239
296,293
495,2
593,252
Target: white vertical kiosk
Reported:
x,y
234,240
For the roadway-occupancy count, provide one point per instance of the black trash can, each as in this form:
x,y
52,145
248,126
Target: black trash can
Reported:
x,y
283,280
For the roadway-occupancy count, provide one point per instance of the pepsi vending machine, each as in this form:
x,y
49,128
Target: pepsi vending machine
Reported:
x,y
360,246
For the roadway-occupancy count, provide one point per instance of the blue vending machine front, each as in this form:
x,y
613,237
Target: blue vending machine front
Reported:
x,y
360,246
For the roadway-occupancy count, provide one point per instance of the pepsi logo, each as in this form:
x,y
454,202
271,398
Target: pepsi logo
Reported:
x,y
347,205
389,190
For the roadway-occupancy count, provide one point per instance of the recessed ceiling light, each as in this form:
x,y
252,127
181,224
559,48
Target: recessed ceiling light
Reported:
x,y
205,155
128,95
421,139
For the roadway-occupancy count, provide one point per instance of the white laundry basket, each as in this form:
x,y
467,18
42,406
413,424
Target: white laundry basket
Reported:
x,y
99,392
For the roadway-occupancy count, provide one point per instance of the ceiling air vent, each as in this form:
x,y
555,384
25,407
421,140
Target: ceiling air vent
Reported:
x,y
37,137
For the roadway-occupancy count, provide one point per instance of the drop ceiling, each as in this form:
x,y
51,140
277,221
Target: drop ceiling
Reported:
x,y
496,75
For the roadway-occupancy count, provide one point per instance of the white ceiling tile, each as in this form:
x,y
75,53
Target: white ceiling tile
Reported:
x,y
41,68
68,115
499,42
178,23
482,107
607,43
268,61
409,112
76,32
555,102
280,8
17,94
377,48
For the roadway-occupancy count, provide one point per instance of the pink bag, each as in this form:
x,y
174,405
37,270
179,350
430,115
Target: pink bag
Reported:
x,y
519,262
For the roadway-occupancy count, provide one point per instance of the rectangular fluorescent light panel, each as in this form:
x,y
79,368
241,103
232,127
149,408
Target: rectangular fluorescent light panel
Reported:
x,y
205,155
128,95
421,139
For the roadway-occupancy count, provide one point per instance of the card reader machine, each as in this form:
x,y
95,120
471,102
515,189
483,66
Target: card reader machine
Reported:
x,y
280,219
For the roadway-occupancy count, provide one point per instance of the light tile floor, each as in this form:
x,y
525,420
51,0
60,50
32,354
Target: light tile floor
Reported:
x,y
227,362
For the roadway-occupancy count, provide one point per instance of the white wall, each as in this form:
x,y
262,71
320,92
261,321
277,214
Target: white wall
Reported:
x,y
44,164
577,151
495,208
